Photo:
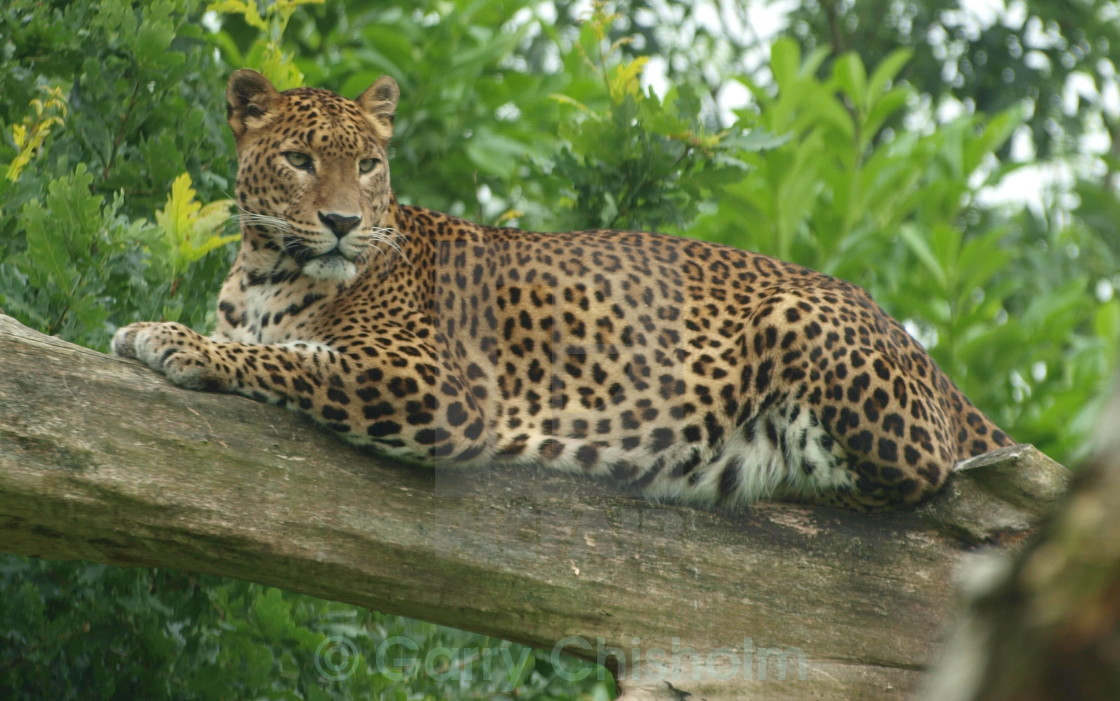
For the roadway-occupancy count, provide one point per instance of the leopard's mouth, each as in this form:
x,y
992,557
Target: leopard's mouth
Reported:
x,y
305,254
335,252
332,265
323,260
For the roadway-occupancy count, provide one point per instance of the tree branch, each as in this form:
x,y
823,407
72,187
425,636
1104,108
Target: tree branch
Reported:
x,y
103,460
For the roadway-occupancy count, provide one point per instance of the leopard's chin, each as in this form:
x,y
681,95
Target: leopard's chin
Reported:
x,y
331,267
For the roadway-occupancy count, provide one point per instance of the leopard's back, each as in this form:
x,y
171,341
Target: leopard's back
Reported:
x,y
686,369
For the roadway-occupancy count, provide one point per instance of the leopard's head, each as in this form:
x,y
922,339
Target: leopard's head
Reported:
x,y
313,172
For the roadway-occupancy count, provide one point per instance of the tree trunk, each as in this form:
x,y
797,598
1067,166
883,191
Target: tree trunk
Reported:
x,y
102,459
1043,623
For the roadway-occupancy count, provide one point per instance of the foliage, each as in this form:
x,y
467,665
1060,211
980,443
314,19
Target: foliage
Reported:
x,y
188,227
72,632
108,105
114,207
266,52
989,61
29,136
637,161
66,238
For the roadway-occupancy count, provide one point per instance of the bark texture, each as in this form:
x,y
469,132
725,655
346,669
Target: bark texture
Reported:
x,y
101,459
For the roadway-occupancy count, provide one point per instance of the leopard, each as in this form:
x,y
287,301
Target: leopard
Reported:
x,y
679,369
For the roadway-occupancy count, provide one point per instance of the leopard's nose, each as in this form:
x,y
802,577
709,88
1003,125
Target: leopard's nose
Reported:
x,y
339,224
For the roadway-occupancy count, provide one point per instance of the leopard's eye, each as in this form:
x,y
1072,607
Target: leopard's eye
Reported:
x,y
298,160
367,164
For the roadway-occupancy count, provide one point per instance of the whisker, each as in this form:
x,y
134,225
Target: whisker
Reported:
x,y
390,237
295,248
247,217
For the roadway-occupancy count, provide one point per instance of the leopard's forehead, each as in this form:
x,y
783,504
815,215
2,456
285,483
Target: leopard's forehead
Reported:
x,y
324,120
323,101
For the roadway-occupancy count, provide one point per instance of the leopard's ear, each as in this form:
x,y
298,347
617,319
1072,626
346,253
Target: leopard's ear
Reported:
x,y
250,101
379,102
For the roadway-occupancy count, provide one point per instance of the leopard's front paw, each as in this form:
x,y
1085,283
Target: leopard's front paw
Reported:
x,y
172,349
124,340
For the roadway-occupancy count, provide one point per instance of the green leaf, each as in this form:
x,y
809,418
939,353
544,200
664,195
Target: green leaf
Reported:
x,y
981,258
992,136
921,248
754,140
246,8
813,62
496,153
188,227
155,36
785,60
882,109
1106,324
827,110
60,230
887,70
852,79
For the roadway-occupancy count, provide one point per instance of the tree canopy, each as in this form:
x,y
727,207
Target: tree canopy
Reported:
x,y
959,165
